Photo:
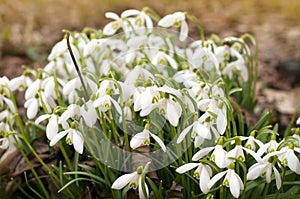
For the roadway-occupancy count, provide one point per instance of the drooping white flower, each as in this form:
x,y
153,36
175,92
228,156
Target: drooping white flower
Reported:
x,y
161,60
145,98
89,113
231,180
76,84
289,158
268,147
199,131
252,141
264,167
203,173
104,104
218,156
141,18
144,138
206,59
52,126
20,83
112,27
170,109
74,137
134,180
176,19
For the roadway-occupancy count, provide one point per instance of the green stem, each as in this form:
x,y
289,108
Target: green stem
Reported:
x,y
266,190
113,128
64,153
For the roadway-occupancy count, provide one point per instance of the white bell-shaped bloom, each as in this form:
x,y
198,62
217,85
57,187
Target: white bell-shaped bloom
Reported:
x,y
112,27
264,168
203,173
141,18
20,83
134,180
290,159
74,137
176,19
52,126
231,180
143,138
218,156
104,104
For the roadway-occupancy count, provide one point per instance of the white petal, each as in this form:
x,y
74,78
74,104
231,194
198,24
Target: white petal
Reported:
x,y
204,178
10,104
4,143
255,171
234,185
141,193
183,134
173,113
216,178
159,141
52,127
130,12
167,21
293,161
186,167
112,15
109,29
78,141
117,106
183,31
123,180
42,118
32,109
202,153
277,178
58,137
139,139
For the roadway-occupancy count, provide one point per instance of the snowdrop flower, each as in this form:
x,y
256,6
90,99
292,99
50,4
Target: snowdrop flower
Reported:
x,y
104,104
252,141
144,138
89,113
33,88
170,109
112,27
176,19
264,167
127,113
203,173
218,156
145,99
137,73
237,152
106,86
52,126
289,158
199,131
74,137
76,84
48,85
141,18
296,135
20,83
161,59
238,64
269,147
206,59
32,105
4,85
134,180
231,180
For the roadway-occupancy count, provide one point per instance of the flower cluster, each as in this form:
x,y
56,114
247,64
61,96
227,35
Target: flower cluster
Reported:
x,y
165,83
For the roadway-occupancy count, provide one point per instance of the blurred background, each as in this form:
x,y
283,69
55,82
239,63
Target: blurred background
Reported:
x,y
29,29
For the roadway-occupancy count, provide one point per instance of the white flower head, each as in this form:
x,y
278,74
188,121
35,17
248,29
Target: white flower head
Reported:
x,y
74,137
144,138
176,19
134,180
203,172
231,180
289,158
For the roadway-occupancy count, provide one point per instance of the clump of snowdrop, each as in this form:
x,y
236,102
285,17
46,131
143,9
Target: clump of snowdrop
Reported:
x,y
140,89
